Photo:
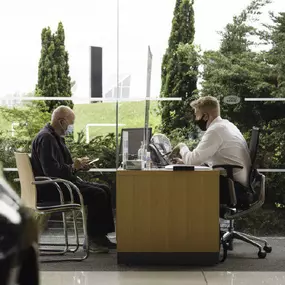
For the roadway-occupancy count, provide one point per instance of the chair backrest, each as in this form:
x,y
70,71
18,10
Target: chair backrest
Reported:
x,y
256,180
26,176
253,145
156,157
135,137
254,175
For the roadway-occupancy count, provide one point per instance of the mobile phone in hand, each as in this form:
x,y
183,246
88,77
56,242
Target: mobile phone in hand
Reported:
x,y
91,162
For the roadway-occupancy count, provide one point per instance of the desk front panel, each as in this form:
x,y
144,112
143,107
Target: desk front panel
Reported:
x,y
168,212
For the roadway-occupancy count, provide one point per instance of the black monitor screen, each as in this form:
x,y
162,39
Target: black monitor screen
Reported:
x,y
135,137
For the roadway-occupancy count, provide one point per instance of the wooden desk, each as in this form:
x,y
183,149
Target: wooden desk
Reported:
x,y
168,217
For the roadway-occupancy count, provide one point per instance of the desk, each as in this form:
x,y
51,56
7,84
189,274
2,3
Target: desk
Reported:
x,y
168,217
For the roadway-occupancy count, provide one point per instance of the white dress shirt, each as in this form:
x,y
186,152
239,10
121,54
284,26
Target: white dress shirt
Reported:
x,y
222,143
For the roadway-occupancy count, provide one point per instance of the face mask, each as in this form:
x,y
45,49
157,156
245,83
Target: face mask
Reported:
x,y
69,130
202,124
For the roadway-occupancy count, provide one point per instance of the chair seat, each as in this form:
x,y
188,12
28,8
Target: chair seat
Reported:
x,y
64,207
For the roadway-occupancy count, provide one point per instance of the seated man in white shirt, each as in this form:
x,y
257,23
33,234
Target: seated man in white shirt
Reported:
x,y
221,144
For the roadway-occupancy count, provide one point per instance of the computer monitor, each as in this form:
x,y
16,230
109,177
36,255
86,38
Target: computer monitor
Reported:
x,y
135,137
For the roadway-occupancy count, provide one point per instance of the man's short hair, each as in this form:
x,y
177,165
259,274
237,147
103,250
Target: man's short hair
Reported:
x,y
206,104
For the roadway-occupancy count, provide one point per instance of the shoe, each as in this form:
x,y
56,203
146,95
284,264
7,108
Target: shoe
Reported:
x,y
96,247
108,243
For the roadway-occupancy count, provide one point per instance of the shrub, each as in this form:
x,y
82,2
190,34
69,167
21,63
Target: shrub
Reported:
x,y
102,147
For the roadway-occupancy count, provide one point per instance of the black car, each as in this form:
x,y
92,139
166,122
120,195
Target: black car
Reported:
x,y
18,239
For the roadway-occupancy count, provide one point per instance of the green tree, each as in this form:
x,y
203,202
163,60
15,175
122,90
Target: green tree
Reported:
x,y
277,53
237,69
179,70
28,121
236,36
172,42
53,70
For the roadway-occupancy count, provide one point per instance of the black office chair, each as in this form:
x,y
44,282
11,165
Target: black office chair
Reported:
x,y
256,198
160,147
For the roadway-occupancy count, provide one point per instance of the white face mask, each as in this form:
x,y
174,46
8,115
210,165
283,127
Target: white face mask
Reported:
x,y
69,130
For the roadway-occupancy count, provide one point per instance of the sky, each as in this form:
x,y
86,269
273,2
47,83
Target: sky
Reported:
x,y
94,23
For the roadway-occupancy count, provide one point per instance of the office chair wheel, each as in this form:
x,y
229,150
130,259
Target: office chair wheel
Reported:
x,y
267,248
261,254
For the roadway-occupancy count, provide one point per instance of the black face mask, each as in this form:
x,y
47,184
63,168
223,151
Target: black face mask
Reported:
x,y
202,124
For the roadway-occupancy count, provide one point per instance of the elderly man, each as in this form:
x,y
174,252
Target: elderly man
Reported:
x,y
50,157
222,143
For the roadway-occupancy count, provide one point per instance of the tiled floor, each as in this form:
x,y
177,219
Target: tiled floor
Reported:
x,y
241,268
165,278
242,259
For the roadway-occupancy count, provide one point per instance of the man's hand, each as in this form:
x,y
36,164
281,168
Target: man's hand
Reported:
x,y
177,160
81,163
87,166
176,151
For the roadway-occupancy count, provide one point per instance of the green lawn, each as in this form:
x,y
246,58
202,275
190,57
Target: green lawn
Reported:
x,y
4,126
130,113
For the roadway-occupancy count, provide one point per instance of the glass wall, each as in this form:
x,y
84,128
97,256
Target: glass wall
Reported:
x,y
198,61
31,47
235,66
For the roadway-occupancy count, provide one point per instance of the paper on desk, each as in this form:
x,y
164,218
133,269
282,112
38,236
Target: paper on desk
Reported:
x,y
197,168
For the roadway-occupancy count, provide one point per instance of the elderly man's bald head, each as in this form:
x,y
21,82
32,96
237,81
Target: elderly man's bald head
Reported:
x,y
62,112
62,119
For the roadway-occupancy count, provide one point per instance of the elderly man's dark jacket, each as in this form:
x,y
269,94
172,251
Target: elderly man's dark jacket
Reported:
x,y
50,157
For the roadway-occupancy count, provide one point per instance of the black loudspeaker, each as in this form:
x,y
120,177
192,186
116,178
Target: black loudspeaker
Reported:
x,y
96,72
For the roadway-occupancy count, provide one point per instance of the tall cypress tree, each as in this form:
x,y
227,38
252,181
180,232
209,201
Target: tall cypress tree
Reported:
x,y
179,70
172,42
277,53
236,69
53,71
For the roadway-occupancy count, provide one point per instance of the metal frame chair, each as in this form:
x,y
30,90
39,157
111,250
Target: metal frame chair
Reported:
x,y
233,211
29,197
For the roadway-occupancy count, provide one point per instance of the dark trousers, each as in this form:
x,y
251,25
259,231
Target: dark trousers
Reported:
x,y
97,198
225,192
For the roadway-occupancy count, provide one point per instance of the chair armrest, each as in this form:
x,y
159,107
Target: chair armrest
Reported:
x,y
229,168
52,179
232,192
65,182
230,175
48,180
